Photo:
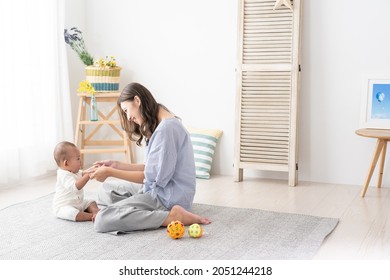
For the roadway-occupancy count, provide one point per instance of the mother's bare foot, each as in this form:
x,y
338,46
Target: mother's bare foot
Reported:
x,y
178,213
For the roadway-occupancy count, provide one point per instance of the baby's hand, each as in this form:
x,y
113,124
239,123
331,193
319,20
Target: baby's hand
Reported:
x,y
100,174
91,169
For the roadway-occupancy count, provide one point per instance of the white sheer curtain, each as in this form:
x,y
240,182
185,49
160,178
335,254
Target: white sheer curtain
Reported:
x,y
35,108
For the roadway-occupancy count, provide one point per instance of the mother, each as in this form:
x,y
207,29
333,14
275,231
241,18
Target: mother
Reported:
x,y
162,189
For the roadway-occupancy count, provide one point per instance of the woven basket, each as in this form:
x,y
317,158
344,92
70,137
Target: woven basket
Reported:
x,y
103,79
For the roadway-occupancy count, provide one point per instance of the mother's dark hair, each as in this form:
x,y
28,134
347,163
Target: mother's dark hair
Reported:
x,y
149,110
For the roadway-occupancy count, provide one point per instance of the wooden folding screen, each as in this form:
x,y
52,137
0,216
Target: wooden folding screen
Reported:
x,y
267,88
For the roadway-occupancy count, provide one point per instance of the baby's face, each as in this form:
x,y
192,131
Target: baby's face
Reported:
x,y
74,161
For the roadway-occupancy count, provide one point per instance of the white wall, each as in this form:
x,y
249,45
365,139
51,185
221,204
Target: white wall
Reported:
x,y
185,53
343,42
75,15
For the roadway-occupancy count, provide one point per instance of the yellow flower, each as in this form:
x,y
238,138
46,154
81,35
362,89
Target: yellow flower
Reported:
x,y
86,86
108,62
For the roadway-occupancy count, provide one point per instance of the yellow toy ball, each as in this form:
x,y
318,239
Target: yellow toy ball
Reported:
x,y
176,229
195,230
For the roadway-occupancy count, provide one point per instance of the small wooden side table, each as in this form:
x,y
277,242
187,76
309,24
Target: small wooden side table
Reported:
x,y
382,136
84,140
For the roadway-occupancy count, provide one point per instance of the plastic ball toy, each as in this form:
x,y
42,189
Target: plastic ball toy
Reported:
x,y
176,229
195,230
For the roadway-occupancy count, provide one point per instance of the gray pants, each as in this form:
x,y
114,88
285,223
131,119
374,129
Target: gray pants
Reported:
x,y
125,208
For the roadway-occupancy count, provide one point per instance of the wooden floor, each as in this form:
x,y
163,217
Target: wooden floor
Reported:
x,y
363,231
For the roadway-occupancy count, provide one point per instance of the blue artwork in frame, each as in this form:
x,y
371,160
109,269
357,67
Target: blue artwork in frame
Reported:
x,y
376,104
380,98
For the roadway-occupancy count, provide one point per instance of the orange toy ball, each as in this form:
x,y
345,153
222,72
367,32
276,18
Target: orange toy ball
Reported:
x,y
195,230
176,229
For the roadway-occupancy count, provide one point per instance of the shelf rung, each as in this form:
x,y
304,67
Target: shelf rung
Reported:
x,y
104,143
100,94
101,122
102,151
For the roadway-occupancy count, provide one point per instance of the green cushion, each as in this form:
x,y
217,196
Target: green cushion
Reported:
x,y
204,142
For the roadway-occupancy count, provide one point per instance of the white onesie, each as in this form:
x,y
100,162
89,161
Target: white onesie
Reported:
x,y
68,200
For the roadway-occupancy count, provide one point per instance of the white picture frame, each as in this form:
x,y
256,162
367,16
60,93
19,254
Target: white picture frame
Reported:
x,y
375,108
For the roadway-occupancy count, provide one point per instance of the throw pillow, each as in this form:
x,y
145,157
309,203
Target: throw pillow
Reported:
x,y
204,142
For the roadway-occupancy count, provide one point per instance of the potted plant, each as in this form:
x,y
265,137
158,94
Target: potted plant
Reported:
x,y
103,74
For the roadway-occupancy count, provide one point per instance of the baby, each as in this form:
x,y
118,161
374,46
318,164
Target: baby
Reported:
x,y
69,202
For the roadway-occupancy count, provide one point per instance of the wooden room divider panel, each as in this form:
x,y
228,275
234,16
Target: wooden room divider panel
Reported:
x,y
268,87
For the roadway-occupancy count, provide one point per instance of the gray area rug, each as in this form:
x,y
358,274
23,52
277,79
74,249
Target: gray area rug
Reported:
x,y
29,231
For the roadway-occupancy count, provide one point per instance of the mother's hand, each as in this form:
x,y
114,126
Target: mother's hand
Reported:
x,y
110,163
101,173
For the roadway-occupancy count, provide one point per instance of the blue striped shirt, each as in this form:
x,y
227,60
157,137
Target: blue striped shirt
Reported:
x,y
170,165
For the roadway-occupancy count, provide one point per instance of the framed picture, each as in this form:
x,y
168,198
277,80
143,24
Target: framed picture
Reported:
x,y
375,111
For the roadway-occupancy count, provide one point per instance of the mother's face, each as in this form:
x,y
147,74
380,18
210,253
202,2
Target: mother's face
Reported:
x,y
133,111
